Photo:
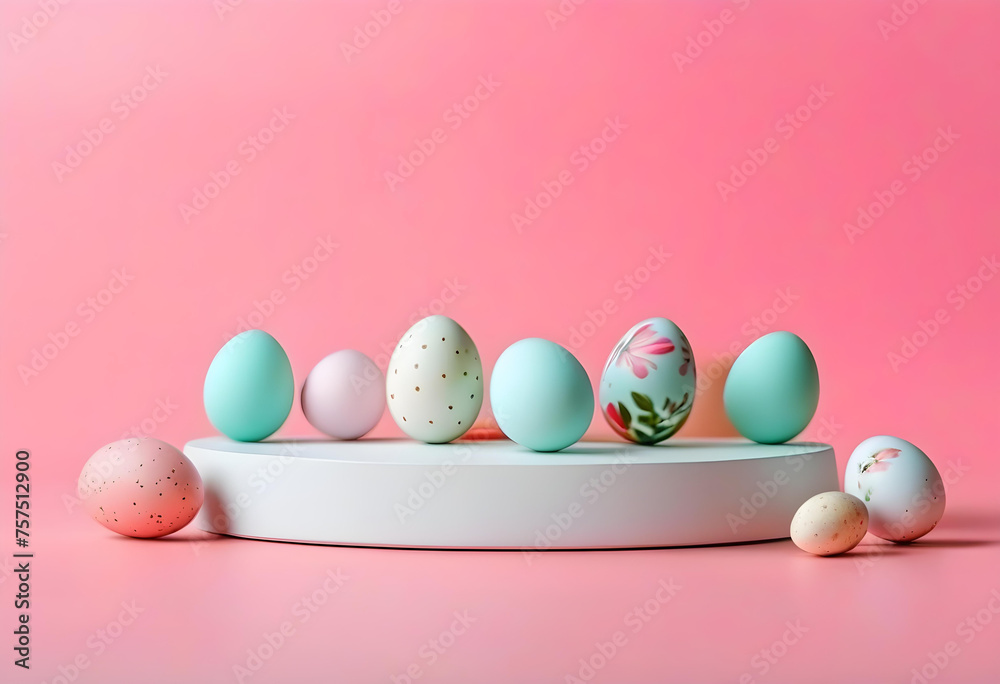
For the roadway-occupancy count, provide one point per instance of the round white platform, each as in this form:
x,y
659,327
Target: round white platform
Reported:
x,y
498,495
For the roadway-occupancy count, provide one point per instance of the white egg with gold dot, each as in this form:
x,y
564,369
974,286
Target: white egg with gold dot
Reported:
x,y
434,383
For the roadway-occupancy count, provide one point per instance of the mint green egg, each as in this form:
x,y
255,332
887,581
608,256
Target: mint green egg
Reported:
x,y
772,390
249,387
541,395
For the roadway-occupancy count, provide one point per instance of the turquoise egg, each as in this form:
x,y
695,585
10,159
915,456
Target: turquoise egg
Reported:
x,y
772,390
541,395
249,387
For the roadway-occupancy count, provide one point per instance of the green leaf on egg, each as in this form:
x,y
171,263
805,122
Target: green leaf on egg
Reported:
x,y
642,401
626,416
649,419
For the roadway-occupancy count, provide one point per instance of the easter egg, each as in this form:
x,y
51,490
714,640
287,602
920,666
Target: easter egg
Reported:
x,y
899,484
249,387
541,395
344,395
772,390
829,523
434,382
648,383
140,488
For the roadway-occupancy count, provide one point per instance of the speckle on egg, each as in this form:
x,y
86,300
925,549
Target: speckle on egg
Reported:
x,y
105,482
829,524
427,378
892,475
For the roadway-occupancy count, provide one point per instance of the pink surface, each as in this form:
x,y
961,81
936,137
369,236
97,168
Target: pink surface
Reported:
x,y
561,179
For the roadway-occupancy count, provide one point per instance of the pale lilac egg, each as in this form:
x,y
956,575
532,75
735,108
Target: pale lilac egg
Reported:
x,y
141,488
344,395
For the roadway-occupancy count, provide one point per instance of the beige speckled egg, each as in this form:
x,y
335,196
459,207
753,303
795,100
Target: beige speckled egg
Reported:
x,y
140,488
829,523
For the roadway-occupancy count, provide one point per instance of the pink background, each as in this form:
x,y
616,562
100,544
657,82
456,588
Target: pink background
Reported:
x,y
442,240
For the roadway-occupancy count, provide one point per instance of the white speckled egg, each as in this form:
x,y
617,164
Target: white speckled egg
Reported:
x,y
900,485
647,386
140,488
434,383
829,523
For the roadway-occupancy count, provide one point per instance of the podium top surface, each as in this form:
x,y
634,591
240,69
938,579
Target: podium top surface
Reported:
x,y
504,452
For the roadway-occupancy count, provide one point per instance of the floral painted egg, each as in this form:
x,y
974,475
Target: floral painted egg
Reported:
x,y
647,387
899,484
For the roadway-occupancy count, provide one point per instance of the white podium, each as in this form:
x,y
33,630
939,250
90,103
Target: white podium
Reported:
x,y
499,495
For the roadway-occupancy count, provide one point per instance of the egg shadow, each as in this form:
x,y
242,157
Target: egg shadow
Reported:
x,y
971,519
949,543
708,414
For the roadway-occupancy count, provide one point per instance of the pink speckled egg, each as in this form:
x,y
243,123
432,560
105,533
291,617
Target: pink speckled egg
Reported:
x,y
141,488
344,395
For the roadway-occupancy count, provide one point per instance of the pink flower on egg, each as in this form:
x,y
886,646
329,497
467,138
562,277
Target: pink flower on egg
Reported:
x,y
877,463
686,355
616,420
632,354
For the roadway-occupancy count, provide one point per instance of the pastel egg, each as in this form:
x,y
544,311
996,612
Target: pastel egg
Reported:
x,y
648,383
541,395
829,523
772,390
249,387
344,395
900,485
140,488
434,382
